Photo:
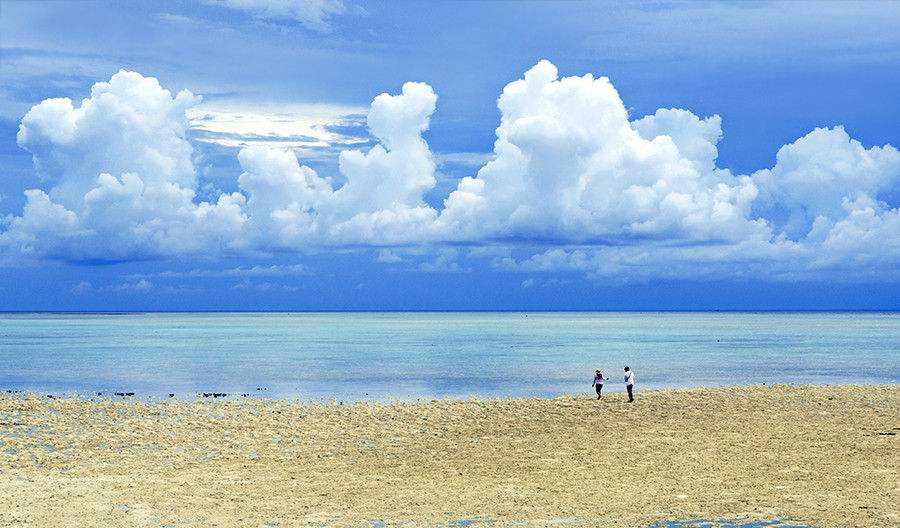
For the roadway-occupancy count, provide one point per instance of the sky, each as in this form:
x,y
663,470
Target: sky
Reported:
x,y
449,155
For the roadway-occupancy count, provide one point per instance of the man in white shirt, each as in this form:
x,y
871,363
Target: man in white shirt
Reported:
x,y
629,383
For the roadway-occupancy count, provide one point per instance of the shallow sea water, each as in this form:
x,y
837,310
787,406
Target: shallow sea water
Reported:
x,y
353,356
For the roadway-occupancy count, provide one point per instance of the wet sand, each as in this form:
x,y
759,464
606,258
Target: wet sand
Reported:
x,y
824,456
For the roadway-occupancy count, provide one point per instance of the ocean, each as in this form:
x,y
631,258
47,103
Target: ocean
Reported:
x,y
429,355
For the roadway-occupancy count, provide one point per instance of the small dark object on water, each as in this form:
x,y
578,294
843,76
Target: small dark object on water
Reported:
x,y
213,394
123,394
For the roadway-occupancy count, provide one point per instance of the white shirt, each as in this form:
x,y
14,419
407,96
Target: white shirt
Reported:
x,y
629,378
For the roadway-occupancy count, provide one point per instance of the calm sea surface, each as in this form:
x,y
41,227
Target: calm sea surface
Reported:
x,y
352,356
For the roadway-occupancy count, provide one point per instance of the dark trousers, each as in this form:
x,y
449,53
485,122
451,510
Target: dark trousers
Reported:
x,y
630,394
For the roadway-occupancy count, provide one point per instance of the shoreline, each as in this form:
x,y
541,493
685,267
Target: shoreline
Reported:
x,y
277,394
820,455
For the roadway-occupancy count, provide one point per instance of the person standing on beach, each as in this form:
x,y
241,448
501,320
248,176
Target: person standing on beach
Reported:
x,y
629,383
598,382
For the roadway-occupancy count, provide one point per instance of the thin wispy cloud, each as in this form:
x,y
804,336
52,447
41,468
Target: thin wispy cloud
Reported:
x,y
253,271
313,14
297,127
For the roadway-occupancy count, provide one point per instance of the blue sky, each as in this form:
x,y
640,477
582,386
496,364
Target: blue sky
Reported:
x,y
449,155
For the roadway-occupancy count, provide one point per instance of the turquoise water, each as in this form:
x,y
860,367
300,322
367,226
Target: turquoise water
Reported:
x,y
351,356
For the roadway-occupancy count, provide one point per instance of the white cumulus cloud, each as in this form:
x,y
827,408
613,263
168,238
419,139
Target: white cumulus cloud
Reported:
x,y
815,177
570,167
572,184
122,180
380,202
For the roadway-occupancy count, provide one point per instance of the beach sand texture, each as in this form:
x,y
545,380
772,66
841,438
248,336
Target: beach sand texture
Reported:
x,y
825,456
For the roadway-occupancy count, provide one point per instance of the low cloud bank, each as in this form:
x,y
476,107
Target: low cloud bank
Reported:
x,y
573,184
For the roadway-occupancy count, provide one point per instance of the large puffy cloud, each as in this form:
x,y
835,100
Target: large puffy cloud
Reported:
x,y
380,203
122,178
573,183
400,169
815,177
382,200
129,124
570,167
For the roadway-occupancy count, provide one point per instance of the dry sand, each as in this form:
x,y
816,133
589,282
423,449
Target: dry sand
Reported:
x,y
825,456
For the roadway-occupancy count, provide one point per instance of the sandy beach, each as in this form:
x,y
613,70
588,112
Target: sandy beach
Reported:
x,y
824,456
